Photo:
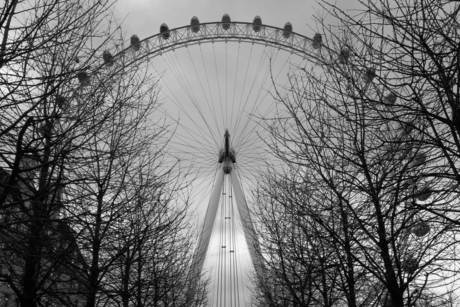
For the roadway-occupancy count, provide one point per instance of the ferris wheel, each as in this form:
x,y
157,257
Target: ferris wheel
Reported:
x,y
218,82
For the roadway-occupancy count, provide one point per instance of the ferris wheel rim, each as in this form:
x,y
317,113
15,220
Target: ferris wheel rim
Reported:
x,y
240,32
210,32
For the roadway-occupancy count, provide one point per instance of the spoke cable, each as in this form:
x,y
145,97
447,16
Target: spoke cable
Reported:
x,y
234,83
218,85
205,96
194,100
209,87
173,68
259,67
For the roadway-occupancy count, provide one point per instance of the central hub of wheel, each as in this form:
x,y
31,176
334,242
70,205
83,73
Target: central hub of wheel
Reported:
x,y
227,154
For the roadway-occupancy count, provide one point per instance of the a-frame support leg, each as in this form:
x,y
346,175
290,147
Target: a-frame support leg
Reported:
x,y
248,228
205,236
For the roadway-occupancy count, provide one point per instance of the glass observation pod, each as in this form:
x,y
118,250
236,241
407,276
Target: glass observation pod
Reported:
x,y
83,78
369,75
108,58
195,23
421,229
317,41
287,30
256,24
164,30
226,22
344,56
390,99
135,43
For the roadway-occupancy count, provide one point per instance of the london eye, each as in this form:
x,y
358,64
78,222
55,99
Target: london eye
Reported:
x,y
217,81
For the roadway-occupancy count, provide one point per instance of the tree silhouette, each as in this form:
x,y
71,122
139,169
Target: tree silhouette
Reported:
x,y
78,129
368,140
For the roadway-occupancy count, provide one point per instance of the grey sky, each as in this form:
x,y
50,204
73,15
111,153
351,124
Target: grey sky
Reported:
x,y
144,17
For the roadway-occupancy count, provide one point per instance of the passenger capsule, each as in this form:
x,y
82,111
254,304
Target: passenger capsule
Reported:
x,y
61,102
317,41
135,43
407,129
287,30
164,30
350,89
421,229
369,75
424,193
83,78
409,265
226,22
344,56
108,58
256,24
195,23
390,99
419,160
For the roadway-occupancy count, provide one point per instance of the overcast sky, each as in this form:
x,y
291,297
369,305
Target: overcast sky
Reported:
x,y
144,17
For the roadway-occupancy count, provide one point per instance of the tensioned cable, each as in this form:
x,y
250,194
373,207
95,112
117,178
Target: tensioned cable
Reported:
x,y
194,100
269,110
230,263
198,105
179,106
187,88
281,69
230,254
218,83
239,256
243,135
202,89
219,251
173,69
235,250
222,251
180,135
251,141
225,236
203,144
226,85
209,87
245,138
259,67
264,80
237,260
238,113
234,83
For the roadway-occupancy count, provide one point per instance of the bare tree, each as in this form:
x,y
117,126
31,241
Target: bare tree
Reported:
x,y
78,128
412,50
374,162
153,267
45,48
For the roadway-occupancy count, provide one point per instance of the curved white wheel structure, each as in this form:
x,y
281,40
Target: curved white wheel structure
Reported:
x,y
216,89
213,95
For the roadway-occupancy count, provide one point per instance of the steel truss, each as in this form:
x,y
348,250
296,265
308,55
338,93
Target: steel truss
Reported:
x,y
214,32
